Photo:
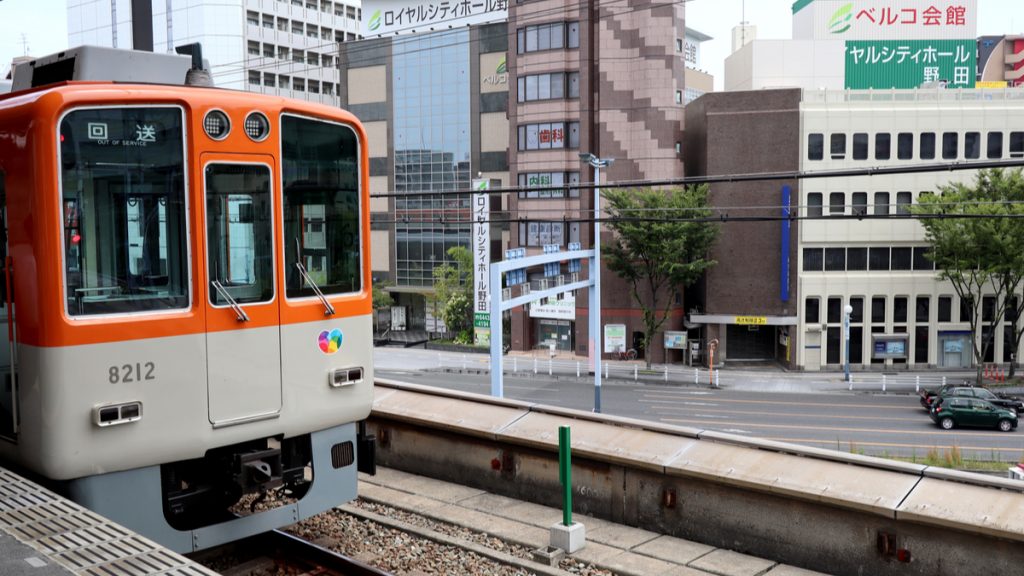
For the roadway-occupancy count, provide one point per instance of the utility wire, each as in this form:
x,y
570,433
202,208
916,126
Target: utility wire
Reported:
x,y
731,178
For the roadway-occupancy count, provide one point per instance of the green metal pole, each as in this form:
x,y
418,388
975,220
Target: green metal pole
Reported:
x,y
565,473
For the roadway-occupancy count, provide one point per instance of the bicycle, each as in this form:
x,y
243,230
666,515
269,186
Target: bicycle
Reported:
x,y
628,354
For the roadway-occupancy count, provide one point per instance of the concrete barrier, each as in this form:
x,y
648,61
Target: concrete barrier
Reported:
x,y
819,509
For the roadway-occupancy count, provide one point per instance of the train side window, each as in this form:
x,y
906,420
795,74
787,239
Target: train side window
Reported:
x,y
122,210
239,233
322,206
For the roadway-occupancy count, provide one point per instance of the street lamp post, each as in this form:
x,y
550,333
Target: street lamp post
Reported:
x,y
595,269
846,337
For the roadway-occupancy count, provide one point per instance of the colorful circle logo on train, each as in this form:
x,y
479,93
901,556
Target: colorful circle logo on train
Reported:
x,y
330,342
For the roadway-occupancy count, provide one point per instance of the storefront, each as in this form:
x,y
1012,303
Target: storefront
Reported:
x,y
553,323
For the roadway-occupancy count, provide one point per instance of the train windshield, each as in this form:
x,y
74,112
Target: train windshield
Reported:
x,y
320,165
123,210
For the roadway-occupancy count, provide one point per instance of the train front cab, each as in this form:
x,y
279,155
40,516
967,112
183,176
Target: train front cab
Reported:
x,y
191,303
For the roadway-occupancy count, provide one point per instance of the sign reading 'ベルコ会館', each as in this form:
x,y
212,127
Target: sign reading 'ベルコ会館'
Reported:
x,y
407,16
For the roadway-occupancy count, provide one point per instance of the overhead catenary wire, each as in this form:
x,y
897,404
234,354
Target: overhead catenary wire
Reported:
x,y
730,178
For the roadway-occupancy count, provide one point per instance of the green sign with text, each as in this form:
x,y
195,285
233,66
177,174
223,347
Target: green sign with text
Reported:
x,y
884,64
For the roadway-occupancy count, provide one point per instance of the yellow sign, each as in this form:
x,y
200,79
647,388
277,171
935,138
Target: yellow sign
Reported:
x,y
752,320
991,84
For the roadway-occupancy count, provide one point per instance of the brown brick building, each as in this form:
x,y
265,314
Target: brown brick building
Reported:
x,y
600,77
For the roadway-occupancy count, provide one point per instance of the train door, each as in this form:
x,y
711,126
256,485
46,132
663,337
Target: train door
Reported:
x,y
8,383
243,340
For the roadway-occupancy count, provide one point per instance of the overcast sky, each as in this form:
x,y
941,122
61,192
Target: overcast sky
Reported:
x,y
44,25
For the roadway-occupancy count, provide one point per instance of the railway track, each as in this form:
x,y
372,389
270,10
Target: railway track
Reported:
x,y
280,553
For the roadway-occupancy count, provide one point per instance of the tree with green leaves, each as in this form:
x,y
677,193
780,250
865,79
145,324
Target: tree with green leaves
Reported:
x,y
977,244
660,245
453,293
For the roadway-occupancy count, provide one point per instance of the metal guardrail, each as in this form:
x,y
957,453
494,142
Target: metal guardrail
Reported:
x,y
580,368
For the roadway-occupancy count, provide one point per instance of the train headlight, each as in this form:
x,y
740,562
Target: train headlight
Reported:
x,y
113,414
216,124
344,377
257,127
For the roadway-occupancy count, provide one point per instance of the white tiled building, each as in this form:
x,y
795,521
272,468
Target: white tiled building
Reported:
x,y
878,266
285,47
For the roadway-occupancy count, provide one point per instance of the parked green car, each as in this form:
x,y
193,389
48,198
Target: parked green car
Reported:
x,y
958,411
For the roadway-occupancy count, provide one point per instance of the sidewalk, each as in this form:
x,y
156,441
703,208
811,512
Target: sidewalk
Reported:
x,y
621,549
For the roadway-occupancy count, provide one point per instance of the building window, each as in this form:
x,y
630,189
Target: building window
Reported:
x,y
283,53
269,79
834,310
679,45
837,203
922,309
1016,144
881,203
254,48
298,56
860,146
966,309
549,184
945,308
857,259
903,201
252,18
950,145
254,77
995,145
921,261
814,259
268,50
548,136
541,233
297,28
972,145
282,24
883,143
814,200
546,86
679,96
988,309
837,146
899,310
878,258
815,146
574,84
927,145
299,84
905,146
268,21
860,203
812,311
835,259
878,310
901,258
551,36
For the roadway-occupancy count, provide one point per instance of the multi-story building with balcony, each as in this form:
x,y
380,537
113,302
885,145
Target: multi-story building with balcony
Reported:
x,y
283,47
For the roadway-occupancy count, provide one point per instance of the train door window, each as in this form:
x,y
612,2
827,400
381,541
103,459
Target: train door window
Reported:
x,y
321,187
122,209
239,233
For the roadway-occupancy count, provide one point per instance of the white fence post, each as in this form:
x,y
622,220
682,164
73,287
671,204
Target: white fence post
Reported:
x,y
634,372
717,373
515,364
943,380
696,376
666,372
438,359
577,368
549,366
917,384
851,382
534,364
606,370
463,362
883,382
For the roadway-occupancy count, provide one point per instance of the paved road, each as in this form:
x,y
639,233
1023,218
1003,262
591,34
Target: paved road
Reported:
x,y
816,410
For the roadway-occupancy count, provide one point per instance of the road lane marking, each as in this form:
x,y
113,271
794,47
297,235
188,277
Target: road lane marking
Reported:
x,y
654,399
836,429
787,414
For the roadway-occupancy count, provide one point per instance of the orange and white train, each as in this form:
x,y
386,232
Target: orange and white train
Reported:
x,y
186,292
